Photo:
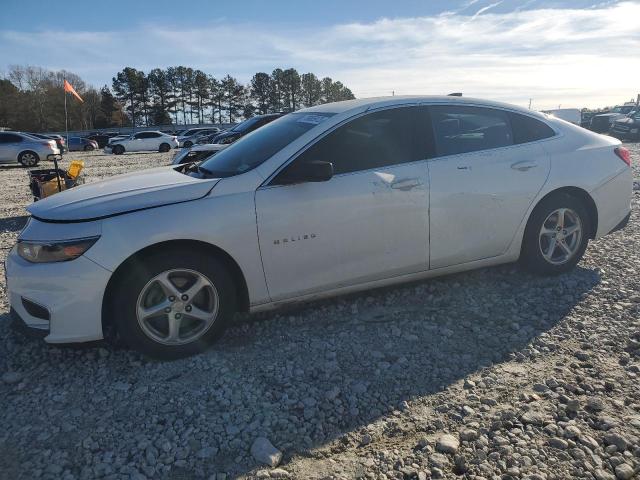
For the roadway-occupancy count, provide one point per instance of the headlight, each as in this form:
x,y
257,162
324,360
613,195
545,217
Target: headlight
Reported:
x,y
62,251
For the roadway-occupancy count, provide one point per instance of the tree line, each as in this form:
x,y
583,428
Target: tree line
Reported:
x,y
32,98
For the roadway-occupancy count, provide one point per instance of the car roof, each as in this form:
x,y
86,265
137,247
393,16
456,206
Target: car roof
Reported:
x,y
377,102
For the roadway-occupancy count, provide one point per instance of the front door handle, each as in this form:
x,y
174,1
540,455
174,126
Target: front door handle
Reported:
x,y
406,184
523,166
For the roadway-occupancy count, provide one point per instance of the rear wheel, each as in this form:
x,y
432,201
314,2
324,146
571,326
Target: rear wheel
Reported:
x,y
165,147
173,303
556,235
118,149
88,148
29,159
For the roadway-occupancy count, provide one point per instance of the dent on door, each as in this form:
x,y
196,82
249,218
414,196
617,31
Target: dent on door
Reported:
x,y
478,201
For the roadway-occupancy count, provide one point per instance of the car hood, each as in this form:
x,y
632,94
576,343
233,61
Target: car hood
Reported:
x,y
122,194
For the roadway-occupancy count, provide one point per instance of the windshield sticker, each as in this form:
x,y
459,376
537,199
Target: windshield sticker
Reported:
x,y
312,119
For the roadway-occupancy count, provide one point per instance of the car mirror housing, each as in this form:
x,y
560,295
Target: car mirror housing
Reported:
x,y
302,172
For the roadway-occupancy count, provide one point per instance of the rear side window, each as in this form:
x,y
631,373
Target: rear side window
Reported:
x,y
375,140
528,129
10,138
461,129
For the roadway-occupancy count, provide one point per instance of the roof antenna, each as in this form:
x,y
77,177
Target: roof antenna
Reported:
x,y
455,94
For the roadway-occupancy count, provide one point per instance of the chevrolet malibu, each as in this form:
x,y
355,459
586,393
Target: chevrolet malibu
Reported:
x,y
331,199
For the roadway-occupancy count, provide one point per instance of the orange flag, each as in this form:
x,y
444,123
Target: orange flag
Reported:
x,y
71,90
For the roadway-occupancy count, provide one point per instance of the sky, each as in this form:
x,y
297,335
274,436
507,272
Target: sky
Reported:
x,y
554,53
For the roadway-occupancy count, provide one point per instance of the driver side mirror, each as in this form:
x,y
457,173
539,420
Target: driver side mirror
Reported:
x,y
302,172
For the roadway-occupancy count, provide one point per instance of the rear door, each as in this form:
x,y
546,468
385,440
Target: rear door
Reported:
x,y
152,141
482,182
370,221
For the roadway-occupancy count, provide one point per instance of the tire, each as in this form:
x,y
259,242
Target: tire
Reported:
x,y
29,159
147,284
164,147
549,253
187,144
88,148
118,149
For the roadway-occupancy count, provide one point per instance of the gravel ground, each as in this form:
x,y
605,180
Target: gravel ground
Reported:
x,y
492,374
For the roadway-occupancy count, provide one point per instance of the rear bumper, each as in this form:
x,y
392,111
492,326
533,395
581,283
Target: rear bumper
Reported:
x,y
623,223
613,202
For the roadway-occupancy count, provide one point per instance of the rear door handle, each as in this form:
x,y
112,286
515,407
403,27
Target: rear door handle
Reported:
x,y
523,166
406,184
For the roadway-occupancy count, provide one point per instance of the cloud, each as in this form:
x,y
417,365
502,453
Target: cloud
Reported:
x,y
573,57
484,9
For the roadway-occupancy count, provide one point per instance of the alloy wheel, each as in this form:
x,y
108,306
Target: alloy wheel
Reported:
x,y
29,159
560,236
177,307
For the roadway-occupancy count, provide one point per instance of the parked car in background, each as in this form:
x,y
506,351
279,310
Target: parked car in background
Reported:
x,y
240,130
59,139
191,136
115,138
18,147
602,122
197,153
101,139
82,144
331,199
627,128
149,141
572,115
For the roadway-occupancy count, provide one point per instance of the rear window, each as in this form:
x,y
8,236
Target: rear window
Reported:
x,y
528,129
462,129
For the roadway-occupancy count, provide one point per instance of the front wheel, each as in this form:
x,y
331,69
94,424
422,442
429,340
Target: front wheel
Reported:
x,y
118,150
556,235
165,147
173,303
88,148
188,144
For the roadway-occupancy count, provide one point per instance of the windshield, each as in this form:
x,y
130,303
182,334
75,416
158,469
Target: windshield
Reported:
x,y
241,127
256,147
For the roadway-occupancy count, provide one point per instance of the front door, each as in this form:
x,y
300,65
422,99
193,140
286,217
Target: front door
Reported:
x,y
370,221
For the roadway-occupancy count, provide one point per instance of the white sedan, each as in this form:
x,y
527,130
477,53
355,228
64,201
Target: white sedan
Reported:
x,y
150,141
331,199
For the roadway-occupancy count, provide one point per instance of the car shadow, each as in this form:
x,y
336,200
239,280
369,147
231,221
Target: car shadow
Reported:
x,y
306,375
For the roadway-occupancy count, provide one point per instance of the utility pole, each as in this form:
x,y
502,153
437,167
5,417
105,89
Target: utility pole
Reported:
x,y
530,103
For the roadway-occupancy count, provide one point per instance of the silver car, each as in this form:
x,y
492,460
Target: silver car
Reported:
x,y
17,147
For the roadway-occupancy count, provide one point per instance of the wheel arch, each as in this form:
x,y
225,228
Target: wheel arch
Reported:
x,y
28,150
206,248
580,194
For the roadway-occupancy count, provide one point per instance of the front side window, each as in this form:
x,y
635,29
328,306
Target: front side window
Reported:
x,y
462,129
256,147
375,140
528,129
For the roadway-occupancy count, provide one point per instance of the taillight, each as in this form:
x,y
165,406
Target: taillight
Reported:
x,y
624,155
